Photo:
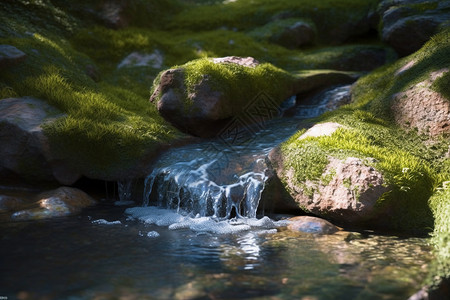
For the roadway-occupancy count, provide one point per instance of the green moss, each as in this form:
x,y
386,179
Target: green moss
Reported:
x,y
271,31
399,156
108,125
440,204
442,85
238,83
374,91
243,15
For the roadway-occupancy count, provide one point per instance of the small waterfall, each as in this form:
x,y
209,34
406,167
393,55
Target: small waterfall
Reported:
x,y
209,184
220,178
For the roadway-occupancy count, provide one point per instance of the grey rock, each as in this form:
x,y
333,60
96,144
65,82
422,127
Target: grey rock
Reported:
x,y
10,56
25,149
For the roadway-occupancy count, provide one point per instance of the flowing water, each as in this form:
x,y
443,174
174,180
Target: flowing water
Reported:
x,y
200,234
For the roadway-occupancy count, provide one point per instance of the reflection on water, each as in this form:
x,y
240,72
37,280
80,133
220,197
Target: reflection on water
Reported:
x,y
76,258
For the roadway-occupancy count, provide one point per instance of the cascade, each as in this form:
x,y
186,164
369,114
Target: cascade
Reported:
x,y
221,179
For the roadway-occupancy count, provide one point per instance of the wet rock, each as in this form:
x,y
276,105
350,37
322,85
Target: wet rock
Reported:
x,y
407,25
423,109
309,224
25,149
56,203
10,56
138,59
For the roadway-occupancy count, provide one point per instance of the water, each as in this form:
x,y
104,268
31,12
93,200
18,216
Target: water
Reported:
x,y
78,258
200,234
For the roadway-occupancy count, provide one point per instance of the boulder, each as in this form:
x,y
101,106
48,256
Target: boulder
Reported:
x,y
60,202
25,149
422,108
10,56
347,191
407,25
309,224
231,88
206,106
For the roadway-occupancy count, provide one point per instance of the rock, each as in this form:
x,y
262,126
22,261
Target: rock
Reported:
x,y
138,59
322,129
290,33
422,108
347,192
25,149
9,203
309,224
242,61
209,106
204,108
10,56
407,25
56,203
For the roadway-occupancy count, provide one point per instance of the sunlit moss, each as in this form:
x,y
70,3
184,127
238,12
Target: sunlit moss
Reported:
x,y
440,204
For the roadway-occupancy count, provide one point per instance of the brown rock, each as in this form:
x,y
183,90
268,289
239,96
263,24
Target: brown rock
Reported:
x,y
56,203
346,193
309,224
422,108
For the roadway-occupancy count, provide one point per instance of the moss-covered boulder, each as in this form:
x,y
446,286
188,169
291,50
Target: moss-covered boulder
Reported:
x,y
200,96
396,124
344,190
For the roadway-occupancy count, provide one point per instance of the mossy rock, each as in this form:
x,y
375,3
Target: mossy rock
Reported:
x,y
290,33
201,96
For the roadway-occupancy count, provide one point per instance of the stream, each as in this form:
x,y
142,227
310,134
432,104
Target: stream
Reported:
x,y
199,232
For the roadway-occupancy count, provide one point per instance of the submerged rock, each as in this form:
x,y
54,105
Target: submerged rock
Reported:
x,y
56,203
309,224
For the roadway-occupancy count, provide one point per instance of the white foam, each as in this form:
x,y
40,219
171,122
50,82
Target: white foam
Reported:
x,y
152,234
176,221
104,222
